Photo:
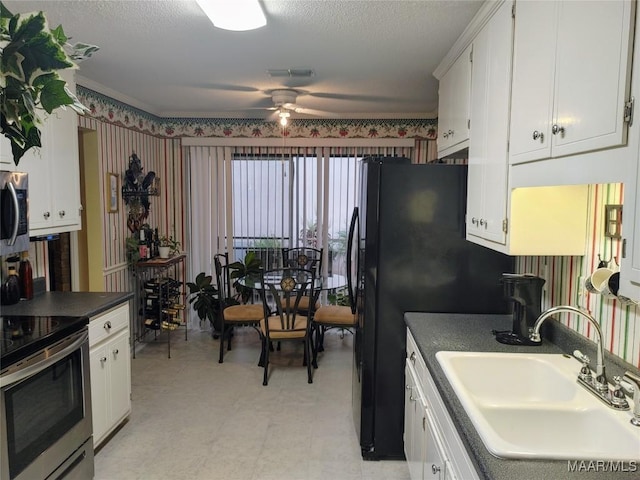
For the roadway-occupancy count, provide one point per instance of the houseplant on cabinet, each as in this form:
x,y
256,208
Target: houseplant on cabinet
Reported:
x,y
31,56
169,246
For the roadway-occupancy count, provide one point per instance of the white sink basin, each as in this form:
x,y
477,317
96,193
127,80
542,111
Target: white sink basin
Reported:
x,y
530,406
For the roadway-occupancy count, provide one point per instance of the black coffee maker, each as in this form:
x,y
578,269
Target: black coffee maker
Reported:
x,y
525,291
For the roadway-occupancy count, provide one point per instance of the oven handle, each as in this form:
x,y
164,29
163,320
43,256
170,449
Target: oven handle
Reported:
x,y
16,208
44,364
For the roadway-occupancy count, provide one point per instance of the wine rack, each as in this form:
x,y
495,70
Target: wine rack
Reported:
x,y
160,299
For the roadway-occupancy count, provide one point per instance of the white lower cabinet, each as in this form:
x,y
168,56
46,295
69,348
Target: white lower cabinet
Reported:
x,y
433,448
110,365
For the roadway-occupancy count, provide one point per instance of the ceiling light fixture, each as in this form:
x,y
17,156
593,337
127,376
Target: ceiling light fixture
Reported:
x,y
284,117
237,15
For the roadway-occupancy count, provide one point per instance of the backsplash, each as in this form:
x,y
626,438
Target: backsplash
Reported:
x,y
620,323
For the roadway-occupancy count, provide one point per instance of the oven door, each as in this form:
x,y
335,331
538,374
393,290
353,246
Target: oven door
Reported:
x,y
46,413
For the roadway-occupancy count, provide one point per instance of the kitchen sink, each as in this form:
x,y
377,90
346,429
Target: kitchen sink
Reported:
x,y
530,406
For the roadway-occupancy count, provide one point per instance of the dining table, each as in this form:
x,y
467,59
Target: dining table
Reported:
x,y
328,283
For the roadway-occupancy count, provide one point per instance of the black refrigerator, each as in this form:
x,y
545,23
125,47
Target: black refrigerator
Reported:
x,y
407,252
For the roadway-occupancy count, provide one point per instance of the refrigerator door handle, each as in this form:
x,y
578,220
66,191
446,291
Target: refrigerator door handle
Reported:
x,y
353,294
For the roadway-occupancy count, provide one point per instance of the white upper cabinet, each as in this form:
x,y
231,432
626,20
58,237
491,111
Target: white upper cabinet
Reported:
x,y
571,77
54,173
489,112
453,107
630,265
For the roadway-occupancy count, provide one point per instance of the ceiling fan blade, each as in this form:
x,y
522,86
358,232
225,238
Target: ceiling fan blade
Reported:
x,y
348,96
228,87
315,112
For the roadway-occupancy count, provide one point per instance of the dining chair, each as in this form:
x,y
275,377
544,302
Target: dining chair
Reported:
x,y
307,258
233,313
282,291
328,317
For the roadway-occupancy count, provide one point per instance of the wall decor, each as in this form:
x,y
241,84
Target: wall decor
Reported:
x,y
137,187
112,192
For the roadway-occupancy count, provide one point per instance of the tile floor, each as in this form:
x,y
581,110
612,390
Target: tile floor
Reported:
x,y
196,419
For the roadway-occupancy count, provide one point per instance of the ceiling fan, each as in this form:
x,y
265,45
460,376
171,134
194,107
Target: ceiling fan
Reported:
x,y
284,101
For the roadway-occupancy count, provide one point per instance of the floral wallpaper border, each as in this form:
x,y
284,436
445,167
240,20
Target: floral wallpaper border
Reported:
x,y
113,111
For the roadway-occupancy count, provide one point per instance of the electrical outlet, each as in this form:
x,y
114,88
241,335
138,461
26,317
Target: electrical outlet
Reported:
x,y
582,292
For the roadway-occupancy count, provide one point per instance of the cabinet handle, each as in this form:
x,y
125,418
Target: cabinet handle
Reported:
x,y
62,213
413,357
538,135
116,352
107,325
435,469
408,387
450,132
46,215
103,359
557,129
474,220
445,135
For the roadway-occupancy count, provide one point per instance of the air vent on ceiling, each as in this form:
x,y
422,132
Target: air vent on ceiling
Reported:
x,y
290,72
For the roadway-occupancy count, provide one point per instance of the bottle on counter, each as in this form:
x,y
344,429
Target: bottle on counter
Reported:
x,y
10,292
26,277
142,245
156,243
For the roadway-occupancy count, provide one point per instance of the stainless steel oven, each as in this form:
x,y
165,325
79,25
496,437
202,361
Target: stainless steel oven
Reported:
x,y
45,399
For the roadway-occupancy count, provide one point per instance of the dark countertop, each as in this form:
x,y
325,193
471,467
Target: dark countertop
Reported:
x,y
434,332
74,304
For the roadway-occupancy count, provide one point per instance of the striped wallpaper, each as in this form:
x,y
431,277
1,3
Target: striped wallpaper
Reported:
x,y
163,156
620,323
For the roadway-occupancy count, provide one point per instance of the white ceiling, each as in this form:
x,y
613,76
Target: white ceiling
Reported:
x,y
371,58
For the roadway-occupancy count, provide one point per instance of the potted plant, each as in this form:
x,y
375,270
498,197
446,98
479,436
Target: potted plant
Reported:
x,y
204,298
240,269
31,56
168,247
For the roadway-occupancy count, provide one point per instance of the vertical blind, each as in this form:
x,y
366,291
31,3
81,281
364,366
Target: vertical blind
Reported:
x,y
261,199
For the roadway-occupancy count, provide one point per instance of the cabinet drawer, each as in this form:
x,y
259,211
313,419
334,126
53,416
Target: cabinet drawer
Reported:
x,y
108,324
415,358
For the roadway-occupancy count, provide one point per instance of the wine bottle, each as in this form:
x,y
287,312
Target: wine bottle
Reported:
x,y
11,288
26,277
142,245
156,244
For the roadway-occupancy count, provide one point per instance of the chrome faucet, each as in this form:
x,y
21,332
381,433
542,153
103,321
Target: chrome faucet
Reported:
x,y
599,385
634,391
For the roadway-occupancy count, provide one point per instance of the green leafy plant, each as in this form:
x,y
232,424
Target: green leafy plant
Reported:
x,y
239,269
172,243
31,56
203,295
132,251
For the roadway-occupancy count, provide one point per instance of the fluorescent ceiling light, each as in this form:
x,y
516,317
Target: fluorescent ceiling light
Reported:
x,y
236,15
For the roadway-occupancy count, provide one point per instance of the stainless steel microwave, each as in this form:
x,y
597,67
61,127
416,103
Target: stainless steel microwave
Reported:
x,y
14,208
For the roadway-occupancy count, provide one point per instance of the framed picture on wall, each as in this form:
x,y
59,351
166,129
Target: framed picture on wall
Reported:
x,y
112,192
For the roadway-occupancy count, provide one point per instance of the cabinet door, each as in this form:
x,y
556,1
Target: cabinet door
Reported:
x,y
99,391
532,84
6,157
412,423
65,169
630,266
119,376
592,75
488,163
453,110
434,465
36,163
